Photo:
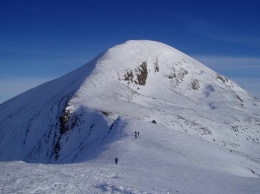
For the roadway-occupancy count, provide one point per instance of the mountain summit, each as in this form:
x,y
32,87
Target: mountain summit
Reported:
x,y
70,118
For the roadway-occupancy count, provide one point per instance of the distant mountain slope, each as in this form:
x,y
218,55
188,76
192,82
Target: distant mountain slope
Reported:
x,y
64,119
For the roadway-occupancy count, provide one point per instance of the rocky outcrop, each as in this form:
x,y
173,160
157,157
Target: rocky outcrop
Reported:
x,y
138,75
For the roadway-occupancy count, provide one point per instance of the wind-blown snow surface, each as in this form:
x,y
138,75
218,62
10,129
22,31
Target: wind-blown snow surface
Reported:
x,y
199,130
159,161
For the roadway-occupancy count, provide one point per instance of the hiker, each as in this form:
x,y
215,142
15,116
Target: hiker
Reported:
x,y
135,134
116,160
138,133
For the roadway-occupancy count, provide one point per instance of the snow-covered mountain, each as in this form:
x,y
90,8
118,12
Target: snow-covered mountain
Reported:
x,y
184,109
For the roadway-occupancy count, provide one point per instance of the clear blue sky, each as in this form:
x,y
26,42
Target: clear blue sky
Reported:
x,y
42,40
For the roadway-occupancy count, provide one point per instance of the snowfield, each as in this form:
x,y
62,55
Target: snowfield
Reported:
x,y
199,131
160,160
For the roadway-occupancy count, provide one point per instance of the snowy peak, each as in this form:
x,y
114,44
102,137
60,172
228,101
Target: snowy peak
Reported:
x,y
66,119
156,70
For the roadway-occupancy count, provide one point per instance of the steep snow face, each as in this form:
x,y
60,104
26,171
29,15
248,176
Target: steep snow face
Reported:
x,y
144,80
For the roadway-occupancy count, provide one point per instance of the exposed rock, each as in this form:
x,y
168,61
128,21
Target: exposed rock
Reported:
x,y
138,75
129,76
156,66
142,74
223,79
67,121
195,84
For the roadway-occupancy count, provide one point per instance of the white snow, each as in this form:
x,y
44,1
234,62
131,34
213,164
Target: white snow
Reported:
x,y
161,160
205,140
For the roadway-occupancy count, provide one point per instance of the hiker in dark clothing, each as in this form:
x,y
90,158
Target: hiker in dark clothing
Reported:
x,y
116,160
138,133
135,134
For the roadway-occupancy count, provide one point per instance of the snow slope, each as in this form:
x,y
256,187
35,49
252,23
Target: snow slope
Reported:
x,y
161,160
199,130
